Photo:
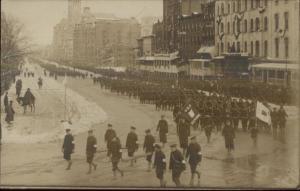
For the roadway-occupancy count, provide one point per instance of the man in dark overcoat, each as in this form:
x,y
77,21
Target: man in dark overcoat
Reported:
x,y
195,156
183,132
162,128
91,148
176,164
109,135
160,164
132,144
149,147
68,147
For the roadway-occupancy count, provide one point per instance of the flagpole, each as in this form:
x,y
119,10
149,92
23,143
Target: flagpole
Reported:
x,y
65,113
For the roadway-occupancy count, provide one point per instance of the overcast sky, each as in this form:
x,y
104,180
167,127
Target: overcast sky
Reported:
x,y
40,16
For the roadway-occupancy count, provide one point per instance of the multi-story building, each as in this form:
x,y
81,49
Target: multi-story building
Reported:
x,y
158,32
63,33
101,39
267,30
146,25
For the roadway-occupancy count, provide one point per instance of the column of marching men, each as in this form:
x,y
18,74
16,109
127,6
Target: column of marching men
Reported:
x,y
153,149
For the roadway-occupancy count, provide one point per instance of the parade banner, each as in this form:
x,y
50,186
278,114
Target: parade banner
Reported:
x,y
263,113
191,113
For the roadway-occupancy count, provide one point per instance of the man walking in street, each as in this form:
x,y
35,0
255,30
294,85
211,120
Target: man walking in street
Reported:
x,y
10,113
229,135
68,147
160,164
149,147
162,128
109,135
176,165
116,155
194,155
183,133
91,147
132,144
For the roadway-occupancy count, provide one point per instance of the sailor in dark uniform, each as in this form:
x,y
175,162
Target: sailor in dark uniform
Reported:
x,y
116,155
91,147
162,128
159,164
132,144
68,147
109,135
149,147
177,164
194,155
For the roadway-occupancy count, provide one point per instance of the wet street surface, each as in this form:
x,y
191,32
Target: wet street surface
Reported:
x,y
271,164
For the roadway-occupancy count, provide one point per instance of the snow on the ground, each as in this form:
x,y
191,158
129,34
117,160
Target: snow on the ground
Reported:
x,y
45,124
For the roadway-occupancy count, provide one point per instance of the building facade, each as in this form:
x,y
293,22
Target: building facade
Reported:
x,y
62,43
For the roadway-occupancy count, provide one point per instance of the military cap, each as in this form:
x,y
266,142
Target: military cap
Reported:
x,y
132,127
173,145
90,131
193,137
68,129
148,131
157,145
109,125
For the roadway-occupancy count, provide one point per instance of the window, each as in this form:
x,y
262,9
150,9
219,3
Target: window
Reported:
x,y
222,8
228,27
228,47
251,25
245,26
256,24
266,3
238,45
228,8
222,27
266,24
286,47
238,23
233,6
222,47
245,47
218,10
266,48
286,20
233,27
276,47
233,47
251,48
252,4
271,74
246,4
257,48
280,74
239,5
256,3
276,2
276,17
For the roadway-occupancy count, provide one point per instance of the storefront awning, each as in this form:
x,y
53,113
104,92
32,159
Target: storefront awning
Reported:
x,y
276,66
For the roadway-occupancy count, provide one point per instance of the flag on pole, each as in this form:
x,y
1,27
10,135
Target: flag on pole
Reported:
x,y
190,112
263,113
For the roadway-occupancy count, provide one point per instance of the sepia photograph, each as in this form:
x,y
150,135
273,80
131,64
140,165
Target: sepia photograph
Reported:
x,y
150,94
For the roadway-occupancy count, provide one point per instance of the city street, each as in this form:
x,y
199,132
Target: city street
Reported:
x,y
32,157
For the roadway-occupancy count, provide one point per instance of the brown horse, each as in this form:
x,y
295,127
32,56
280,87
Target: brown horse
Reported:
x,y
31,103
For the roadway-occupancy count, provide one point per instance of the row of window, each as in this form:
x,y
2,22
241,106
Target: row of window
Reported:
x,y
255,25
236,5
236,47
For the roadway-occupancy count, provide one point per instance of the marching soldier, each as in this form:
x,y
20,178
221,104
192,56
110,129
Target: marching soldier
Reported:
x,y
149,147
244,113
132,144
274,120
109,135
116,155
91,147
208,126
160,164
183,132
254,134
194,155
162,128
282,121
229,135
68,147
176,165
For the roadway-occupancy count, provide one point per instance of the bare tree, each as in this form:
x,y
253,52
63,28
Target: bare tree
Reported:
x,y
14,43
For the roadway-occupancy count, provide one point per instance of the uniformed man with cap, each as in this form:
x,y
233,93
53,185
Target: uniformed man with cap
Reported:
x,y
183,132
91,147
149,147
109,135
194,155
229,134
159,164
132,144
162,128
68,147
116,155
177,164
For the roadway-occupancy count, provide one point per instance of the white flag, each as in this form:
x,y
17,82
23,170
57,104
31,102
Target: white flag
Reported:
x,y
65,80
263,113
